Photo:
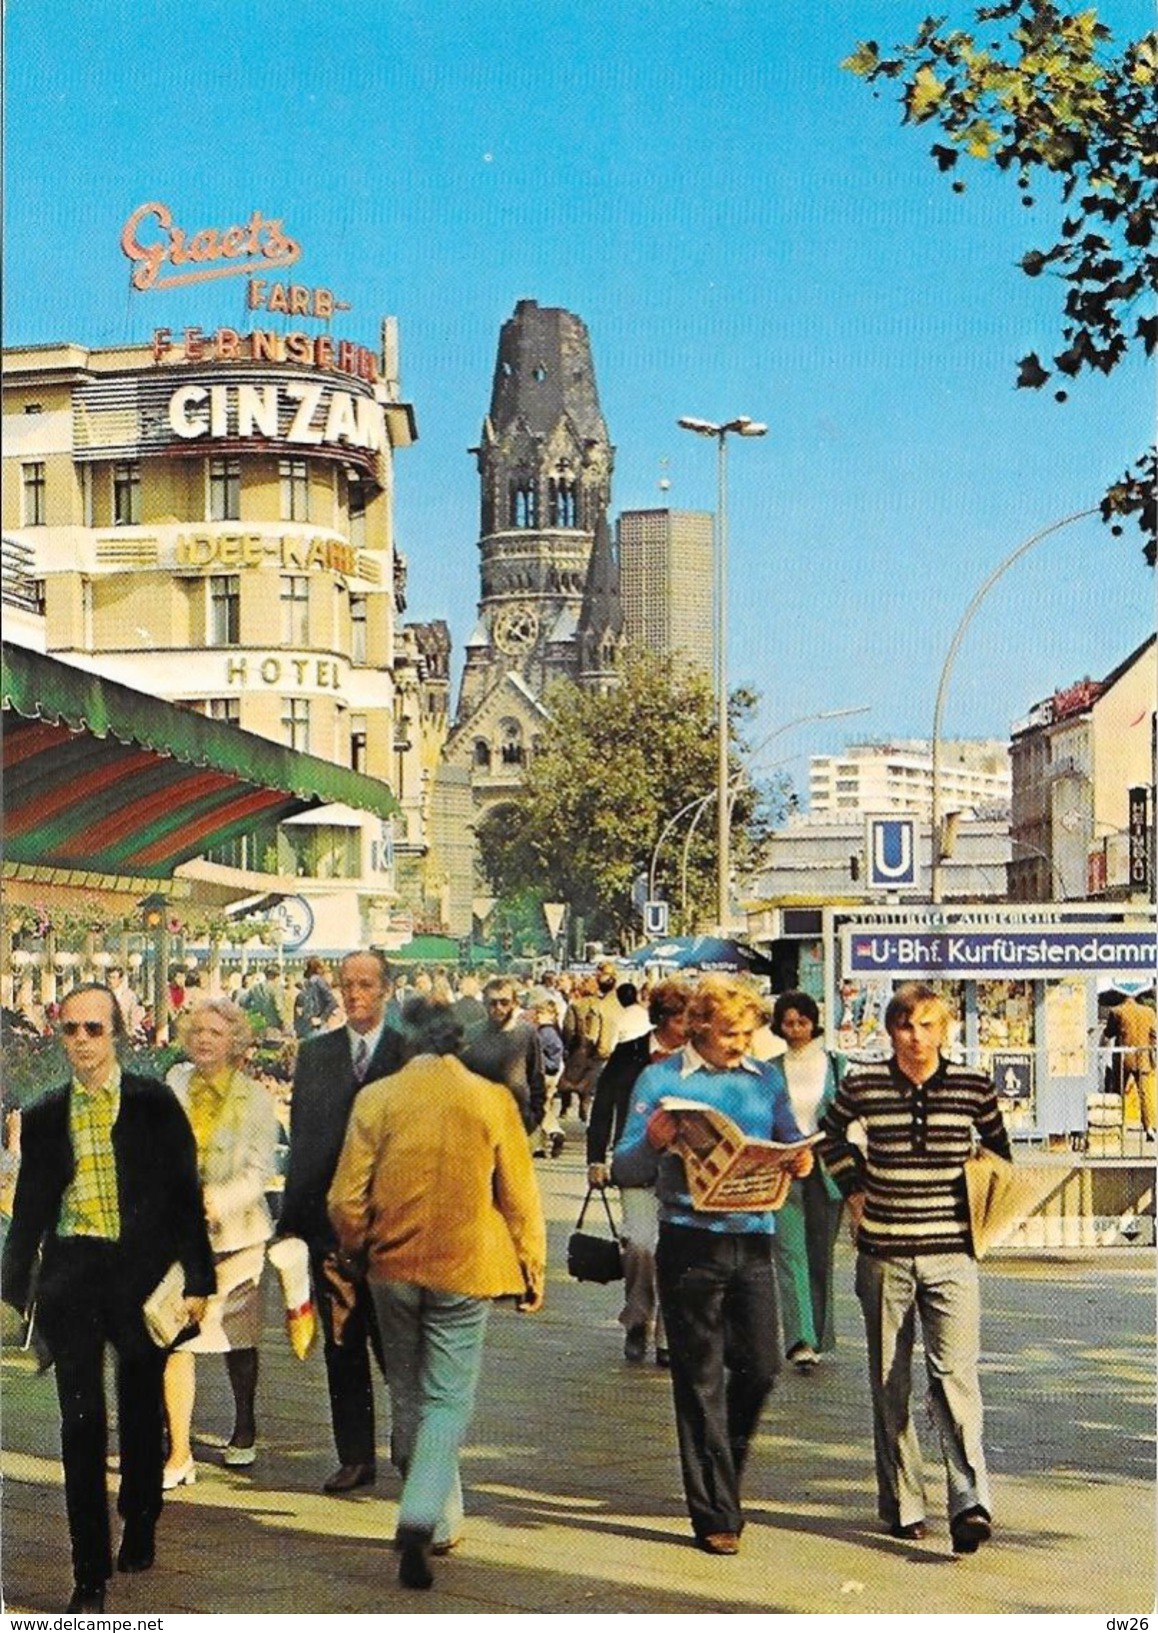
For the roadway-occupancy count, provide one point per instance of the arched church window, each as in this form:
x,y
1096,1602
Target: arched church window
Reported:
x,y
482,754
524,503
511,734
564,505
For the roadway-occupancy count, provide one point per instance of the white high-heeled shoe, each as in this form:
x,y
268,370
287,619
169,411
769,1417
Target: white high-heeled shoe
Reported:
x,y
185,1474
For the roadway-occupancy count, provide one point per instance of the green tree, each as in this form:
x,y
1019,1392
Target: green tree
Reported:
x,y
612,771
1053,97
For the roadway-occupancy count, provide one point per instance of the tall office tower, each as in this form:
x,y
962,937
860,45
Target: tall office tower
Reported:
x,y
665,568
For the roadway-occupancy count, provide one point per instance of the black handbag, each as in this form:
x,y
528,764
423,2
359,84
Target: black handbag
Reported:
x,y
594,1258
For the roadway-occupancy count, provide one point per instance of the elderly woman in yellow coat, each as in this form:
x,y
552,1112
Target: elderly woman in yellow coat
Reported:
x,y
235,1126
434,1200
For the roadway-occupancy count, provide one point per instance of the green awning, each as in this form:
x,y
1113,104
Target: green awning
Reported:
x,y
101,777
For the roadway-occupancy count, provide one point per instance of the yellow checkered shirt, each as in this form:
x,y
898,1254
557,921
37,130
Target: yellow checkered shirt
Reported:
x,y
90,1205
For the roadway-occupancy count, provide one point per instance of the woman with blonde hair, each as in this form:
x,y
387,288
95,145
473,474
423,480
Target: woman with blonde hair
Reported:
x,y
235,1127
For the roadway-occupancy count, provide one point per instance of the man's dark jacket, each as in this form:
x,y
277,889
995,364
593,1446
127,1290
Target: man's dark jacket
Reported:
x,y
162,1212
323,1093
510,1055
612,1093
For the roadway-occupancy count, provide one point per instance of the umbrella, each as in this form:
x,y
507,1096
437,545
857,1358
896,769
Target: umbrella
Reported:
x,y
659,952
725,954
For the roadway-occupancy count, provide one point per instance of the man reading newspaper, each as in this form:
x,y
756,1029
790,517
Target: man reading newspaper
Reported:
x,y
717,1286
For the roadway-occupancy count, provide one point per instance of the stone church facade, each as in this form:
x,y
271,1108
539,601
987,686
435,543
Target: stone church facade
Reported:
x,y
549,606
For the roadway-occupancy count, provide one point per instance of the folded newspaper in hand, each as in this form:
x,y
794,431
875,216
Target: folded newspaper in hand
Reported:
x,y
727,1170
164,1310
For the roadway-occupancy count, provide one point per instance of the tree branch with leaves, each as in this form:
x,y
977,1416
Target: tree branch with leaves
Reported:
x,y
1052,96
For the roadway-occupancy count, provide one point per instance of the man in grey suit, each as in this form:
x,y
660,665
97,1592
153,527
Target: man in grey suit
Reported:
x,y
331,1068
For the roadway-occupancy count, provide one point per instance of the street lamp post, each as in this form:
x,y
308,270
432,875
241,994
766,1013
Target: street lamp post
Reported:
x,y
744,772
936,887
742,426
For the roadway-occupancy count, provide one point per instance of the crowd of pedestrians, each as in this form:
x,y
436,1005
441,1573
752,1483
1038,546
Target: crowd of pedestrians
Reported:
x,y
416,1115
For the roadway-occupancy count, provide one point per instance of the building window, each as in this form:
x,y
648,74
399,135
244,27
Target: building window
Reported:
x,y
33,479
295,723
564,508
224,708
524,503
512,742
295,609
295,490
358,736
126,495
224,490
356,489
359,613
224,610
482,754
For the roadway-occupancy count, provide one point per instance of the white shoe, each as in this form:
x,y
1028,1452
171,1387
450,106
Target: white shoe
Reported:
x,y
239,1457
804,1358
184,1474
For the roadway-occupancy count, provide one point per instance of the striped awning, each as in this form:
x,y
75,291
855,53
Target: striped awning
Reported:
x,y
105,779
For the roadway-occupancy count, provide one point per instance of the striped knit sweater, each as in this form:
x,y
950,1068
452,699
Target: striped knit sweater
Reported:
x,y
918,1139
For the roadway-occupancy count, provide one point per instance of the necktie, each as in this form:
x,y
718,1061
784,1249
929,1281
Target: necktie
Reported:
x,y
361,1060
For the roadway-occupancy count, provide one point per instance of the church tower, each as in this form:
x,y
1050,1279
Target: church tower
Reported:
x,y
544,464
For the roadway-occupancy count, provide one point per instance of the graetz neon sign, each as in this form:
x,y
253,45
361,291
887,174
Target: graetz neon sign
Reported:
x,y
259,244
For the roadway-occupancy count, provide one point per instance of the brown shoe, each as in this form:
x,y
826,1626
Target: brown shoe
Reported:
x,y
916,1531
349,1477
720,1542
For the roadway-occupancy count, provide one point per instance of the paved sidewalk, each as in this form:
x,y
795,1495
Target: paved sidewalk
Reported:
x,y
573,1492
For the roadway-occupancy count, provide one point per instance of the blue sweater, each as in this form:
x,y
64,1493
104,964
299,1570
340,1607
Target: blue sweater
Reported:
x,y
751,1096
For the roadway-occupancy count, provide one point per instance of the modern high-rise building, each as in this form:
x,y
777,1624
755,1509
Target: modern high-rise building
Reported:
x,y
665,568
898,776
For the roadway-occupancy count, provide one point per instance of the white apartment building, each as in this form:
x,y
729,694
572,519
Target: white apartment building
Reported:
x,y
898,776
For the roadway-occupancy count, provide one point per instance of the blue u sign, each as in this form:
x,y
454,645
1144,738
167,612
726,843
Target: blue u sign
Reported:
x,y
892,853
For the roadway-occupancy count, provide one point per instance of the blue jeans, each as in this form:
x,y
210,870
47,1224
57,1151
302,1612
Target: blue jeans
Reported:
x,y
432,1345
943,1289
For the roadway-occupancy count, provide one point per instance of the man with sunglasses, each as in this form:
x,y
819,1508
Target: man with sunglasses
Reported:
x,y
505,1048
107,1199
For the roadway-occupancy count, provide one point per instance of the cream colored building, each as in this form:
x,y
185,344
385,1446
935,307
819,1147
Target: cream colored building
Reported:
x,y
1076,758
209,520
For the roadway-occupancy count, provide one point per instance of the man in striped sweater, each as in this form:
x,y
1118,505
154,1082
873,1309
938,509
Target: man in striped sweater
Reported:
x,y
906,1196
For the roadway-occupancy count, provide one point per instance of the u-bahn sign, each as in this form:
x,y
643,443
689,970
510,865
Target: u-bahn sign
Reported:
x,y
891,849
1007,954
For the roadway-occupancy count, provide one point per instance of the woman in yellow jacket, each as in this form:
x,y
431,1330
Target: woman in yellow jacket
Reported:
x,y
434,1200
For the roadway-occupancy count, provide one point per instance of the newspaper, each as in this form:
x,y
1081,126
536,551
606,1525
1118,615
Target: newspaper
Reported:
x,y
727,1171
1002,1197
164,1310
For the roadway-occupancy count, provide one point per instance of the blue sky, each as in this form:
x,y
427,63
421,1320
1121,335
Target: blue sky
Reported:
x,y
744,229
